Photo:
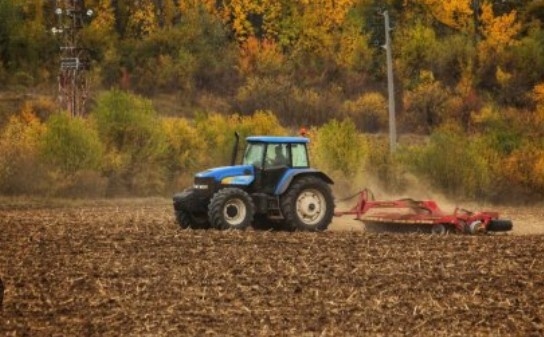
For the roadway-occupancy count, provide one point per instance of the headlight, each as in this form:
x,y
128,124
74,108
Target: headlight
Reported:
x,y
200,187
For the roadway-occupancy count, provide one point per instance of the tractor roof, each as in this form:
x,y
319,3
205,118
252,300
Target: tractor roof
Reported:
x,y
274,139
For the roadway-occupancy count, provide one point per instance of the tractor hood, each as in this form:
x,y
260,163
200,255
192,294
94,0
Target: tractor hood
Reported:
x,y
230,175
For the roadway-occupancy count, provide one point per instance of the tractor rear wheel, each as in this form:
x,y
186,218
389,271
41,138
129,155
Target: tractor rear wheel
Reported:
x,y
231,208
308,205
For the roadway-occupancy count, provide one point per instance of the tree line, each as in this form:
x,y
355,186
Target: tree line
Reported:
x,y
463,68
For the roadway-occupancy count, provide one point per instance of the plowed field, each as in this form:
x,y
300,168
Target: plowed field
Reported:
x,y
113,268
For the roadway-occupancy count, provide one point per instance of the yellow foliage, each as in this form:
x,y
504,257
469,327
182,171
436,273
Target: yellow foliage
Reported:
x,y
485,115
186,149
262,123
315,15
538,93
332,13
503,77
260,56
339,149
168,12
104,20
499,31
143,19
368,112
538,171
19,143
187,6
456,14
525,166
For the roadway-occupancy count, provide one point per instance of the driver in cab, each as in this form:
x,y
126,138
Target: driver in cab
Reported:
x,y
280,159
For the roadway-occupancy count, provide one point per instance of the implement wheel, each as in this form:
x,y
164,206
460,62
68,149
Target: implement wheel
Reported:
x,y
500,225
308,205
439,229
231,208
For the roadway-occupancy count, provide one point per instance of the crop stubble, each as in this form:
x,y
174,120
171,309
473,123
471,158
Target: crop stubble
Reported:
x,y
101,269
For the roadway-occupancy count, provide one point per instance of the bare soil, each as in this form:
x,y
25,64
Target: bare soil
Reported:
x,y
110,268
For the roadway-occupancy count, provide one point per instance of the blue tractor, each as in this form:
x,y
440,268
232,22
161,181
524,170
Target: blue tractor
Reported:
x,y
274,187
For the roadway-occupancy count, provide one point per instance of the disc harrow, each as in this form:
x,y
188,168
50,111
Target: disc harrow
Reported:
x,y
425,214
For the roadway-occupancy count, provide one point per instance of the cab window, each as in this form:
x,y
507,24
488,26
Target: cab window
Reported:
x,y
254,155
277,155
300,157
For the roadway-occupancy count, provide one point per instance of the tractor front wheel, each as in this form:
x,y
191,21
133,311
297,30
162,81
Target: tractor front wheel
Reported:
x,y
186,220
308,205
231,208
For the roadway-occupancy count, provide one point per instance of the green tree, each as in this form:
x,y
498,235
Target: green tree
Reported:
x,y
71,144
134,141
338,147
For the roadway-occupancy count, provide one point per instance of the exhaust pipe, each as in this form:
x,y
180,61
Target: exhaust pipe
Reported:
x,y
235,148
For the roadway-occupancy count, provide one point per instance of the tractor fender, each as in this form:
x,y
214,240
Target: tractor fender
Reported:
x,y
291,174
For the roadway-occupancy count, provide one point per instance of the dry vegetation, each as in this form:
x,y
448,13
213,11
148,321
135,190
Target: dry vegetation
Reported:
x,y
123,268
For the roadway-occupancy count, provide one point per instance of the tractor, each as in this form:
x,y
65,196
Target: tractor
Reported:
x,y
273,187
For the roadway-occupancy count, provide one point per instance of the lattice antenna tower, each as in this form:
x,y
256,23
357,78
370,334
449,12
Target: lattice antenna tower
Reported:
x,y
71,16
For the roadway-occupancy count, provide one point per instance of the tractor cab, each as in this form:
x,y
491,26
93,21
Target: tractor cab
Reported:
x,y
273,157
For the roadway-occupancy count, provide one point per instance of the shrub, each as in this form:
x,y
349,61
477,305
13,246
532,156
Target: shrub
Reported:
x,y
338,147
263,93
369,112
425,106
71,145
455,163
525,168
135,143
293,105
20,168
383,167
218,133
186,151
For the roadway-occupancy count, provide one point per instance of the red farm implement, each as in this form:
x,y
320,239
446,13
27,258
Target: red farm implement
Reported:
x,y
425,215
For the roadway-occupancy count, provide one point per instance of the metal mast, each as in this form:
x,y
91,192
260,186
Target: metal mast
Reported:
x,y
74,60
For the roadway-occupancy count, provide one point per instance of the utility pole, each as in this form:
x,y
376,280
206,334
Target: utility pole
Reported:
x,y
74,60
390,85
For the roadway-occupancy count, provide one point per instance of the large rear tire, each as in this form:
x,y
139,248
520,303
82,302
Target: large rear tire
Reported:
x,y
308,205
231,208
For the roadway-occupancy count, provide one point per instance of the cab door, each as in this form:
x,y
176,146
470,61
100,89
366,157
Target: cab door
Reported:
x,y
277,161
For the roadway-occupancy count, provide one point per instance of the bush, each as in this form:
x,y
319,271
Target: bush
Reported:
x,y
186,151
455,163
369,112
20,167
524,168
338,148
264,93
383,167
425,106
71,145
135,143
292,104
